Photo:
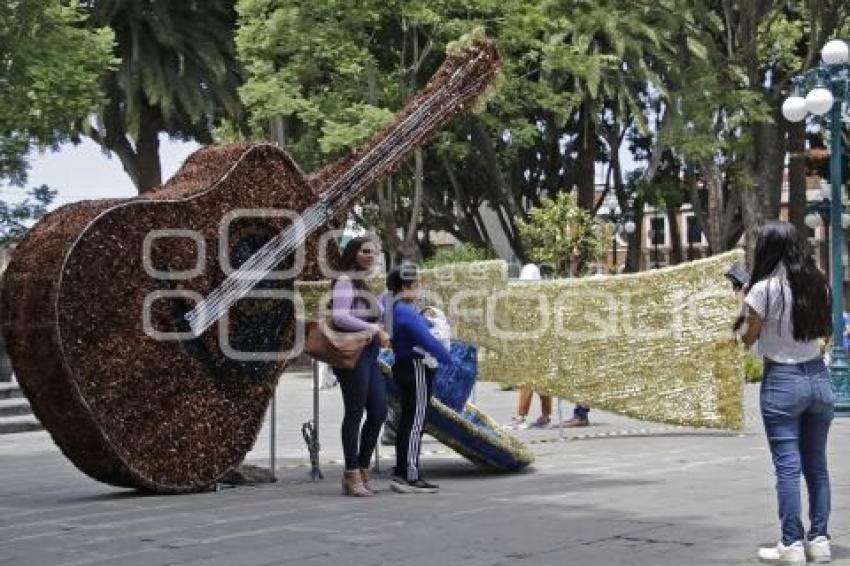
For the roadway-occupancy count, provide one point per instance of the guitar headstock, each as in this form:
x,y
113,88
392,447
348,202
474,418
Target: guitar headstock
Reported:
x,y
470,71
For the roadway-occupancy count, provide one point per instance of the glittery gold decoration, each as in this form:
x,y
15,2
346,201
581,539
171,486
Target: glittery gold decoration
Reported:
x,y
486,445
655,345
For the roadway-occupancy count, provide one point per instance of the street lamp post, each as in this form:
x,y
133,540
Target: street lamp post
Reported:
x,y
623,224
828,91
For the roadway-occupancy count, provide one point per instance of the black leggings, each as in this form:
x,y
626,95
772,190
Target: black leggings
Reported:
x,y
414,381
363,387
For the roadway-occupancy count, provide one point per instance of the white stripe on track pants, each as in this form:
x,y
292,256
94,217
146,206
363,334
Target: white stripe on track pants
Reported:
x,y
414,380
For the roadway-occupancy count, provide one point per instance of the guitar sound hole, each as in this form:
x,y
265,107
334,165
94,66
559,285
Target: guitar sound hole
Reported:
x,y
256,325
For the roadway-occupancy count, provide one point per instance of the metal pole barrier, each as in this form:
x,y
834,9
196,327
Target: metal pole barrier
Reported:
x,y
560,418
316,386
273,435
310,430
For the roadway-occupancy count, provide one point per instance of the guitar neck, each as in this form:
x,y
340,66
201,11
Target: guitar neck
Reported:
x,y
455,87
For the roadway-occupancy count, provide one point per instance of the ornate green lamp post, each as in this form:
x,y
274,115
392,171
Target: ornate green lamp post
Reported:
x,y
828,92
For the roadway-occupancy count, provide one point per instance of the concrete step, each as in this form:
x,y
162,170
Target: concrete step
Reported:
x,y
10,390
24,423
14,407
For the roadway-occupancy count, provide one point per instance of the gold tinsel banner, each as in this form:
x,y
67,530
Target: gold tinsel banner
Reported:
x,y
654,345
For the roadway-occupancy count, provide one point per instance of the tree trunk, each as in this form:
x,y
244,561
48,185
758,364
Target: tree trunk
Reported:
x,y
503,202
714,210
797,176
634,261
769,146
409,247
586,148
147,152
481,139
752,212
389,228
676,253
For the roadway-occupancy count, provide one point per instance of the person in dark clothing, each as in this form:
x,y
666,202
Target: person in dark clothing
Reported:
x,y
355,309
410,332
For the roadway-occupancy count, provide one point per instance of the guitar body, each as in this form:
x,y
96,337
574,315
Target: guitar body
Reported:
x,y
73,303
144,348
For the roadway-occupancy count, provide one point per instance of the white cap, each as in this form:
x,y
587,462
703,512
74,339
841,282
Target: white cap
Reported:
x,y
529,272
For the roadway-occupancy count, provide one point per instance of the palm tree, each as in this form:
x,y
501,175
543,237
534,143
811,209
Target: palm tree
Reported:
x,y
178,74
606,53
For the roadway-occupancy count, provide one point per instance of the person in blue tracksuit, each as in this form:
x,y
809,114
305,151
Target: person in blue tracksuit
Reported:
x,y
410,332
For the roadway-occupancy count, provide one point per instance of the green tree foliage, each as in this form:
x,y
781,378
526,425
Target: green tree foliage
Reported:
x,y
330,74
695,83
15,219
178,75
561,235
48,77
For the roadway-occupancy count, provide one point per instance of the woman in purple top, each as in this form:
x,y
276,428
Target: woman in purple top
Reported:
x,y
354,308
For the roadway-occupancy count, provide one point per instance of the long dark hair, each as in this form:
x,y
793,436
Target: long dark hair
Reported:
x,y
780,243
348,262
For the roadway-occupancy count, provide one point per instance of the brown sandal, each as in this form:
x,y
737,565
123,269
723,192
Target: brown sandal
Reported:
x,y
364,479
352,485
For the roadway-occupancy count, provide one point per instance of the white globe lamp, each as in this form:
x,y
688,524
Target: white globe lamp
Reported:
x,y
819,101
794,109
812,220
629,227
835,52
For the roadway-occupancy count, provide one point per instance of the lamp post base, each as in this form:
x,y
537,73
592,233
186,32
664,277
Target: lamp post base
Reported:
x,y
839,369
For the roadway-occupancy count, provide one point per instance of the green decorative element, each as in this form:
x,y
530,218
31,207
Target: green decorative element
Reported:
x,y
653,345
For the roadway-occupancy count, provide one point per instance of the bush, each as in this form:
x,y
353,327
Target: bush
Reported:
x,y
460,254
753,368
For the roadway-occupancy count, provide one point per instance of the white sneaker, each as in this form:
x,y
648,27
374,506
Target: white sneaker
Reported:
x,y
517,423
781,554
818,550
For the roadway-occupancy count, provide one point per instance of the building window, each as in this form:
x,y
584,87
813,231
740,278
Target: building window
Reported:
x,y
694,231
657,231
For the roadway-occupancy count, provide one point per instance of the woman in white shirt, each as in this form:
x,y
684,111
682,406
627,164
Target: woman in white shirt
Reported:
x,y
788,307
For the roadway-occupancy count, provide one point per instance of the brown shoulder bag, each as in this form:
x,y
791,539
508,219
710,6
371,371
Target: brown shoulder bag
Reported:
x,y
334,347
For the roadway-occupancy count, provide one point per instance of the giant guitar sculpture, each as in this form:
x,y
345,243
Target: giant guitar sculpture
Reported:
x,y
146,332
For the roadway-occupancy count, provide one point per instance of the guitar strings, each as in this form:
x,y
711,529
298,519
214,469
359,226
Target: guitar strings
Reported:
x,y
227,297
238,284
270,253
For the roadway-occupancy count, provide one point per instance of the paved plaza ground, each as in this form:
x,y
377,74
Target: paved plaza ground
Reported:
x,y
621,492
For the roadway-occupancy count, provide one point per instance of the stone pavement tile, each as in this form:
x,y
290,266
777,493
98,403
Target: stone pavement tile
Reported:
x,y
680,497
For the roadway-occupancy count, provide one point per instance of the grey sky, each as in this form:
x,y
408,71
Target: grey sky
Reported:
x,y
84,172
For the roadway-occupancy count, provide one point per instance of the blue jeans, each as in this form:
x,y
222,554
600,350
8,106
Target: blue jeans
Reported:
x,y
581,412
363,390
797,408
